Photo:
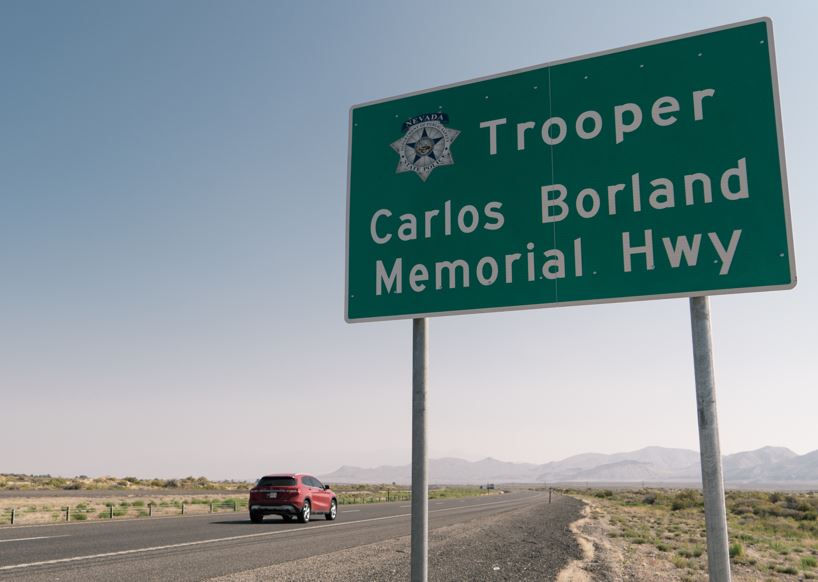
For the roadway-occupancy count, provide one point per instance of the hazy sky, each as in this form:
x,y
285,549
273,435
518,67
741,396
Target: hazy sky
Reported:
x,y
172,216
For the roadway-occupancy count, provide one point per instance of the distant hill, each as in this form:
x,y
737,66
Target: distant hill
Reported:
x,y
767,465
658,463
802,468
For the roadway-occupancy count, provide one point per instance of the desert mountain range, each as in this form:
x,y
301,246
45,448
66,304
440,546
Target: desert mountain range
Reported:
x,y
767,465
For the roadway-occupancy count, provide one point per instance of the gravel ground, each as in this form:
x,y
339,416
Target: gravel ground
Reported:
x,y
531,544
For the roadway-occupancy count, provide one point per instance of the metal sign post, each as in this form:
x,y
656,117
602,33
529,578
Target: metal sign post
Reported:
x,y
420,478
715,512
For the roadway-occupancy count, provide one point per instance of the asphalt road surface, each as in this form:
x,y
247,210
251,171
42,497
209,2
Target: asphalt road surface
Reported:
x,y
201,547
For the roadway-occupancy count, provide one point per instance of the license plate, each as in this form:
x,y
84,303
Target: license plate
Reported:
x,y
272,495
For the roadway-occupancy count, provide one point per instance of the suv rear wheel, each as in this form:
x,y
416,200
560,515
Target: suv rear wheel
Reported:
x,y
304,514
333,511
256,517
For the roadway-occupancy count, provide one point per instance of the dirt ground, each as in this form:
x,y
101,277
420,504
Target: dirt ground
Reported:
x,y
610,557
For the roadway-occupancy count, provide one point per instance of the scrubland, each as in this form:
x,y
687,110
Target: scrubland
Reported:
x,y
773,535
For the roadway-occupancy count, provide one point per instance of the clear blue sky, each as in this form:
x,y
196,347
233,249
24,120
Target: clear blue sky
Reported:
x,y
172,206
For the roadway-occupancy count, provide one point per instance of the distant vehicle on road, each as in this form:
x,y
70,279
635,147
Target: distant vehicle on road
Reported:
x,y
291,495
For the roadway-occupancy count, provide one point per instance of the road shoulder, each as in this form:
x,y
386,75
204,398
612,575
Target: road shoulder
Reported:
x,y
528,544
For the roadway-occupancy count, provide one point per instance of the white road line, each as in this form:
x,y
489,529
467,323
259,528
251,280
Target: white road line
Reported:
x,y
226,539
404,506
351,510
35,538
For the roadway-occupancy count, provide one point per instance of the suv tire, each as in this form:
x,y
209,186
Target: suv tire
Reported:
x,y
333,511
256,517
304,514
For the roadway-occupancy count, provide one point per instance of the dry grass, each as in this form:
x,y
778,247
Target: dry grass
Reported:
x,y
19,482
773,535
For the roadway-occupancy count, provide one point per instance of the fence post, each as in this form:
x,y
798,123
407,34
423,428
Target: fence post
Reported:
x,y
67,513
549,495
183,507
235,506
150,509
12,516
111,511
211,507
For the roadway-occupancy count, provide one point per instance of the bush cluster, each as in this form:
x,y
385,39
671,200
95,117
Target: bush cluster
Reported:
x,y
14,481
803,507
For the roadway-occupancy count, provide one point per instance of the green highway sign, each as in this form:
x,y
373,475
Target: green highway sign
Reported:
x,y
651,171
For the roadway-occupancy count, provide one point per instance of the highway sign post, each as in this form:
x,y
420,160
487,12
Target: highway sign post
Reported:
x,y
420,454
647,172
715,511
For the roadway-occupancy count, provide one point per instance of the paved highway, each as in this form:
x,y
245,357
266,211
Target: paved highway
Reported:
x,y
200,547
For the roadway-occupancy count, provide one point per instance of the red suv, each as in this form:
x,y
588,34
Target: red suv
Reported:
x,y
291,495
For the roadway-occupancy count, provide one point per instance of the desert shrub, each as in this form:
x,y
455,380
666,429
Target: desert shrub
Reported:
x,y
736,550
791,502
808,562
685,499
680,562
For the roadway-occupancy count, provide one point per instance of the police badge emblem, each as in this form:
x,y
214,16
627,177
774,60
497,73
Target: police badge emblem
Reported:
x,y
426,144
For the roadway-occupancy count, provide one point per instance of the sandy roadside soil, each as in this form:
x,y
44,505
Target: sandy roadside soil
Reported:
x,y
612,558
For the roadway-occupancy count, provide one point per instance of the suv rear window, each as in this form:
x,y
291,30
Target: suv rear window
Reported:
x,y
276,482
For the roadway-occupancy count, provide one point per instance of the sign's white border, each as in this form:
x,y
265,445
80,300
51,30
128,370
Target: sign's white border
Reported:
x,y
783,166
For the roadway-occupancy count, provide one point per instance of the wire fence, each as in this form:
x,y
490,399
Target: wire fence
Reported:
x,y
355,497
90,511
101,509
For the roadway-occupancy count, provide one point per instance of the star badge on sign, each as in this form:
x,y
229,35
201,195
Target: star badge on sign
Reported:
x,y
426,144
